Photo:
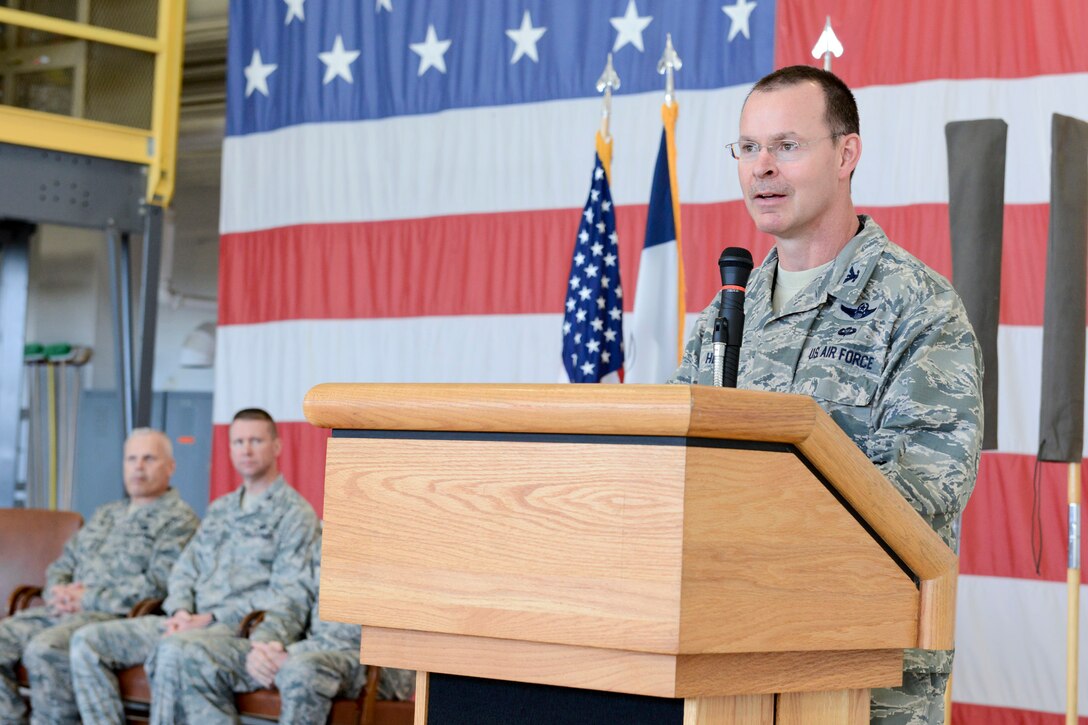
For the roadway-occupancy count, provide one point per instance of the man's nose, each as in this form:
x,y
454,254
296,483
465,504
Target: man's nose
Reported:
x,y
765,164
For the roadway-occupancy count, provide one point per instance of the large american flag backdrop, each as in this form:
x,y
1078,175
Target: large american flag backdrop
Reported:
x,y
403,183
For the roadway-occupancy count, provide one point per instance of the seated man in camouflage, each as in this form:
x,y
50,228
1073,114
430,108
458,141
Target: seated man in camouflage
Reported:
x,y
308,673
124,554
251,552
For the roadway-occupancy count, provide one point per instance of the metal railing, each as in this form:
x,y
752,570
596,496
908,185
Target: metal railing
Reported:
x,y
154,147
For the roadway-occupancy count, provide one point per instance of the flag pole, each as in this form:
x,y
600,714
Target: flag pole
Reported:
x,y
827,45
1073,587
608,82
1061,425
668,65
593,316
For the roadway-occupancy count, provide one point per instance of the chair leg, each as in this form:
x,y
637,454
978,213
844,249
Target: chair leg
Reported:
x,y
369,696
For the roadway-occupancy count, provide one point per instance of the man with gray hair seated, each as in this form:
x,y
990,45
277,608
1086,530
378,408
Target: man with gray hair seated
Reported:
x,y
124,554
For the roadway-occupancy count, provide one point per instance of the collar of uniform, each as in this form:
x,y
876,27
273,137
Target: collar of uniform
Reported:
x,y
275,488
763,288
168,496
856,262
271,492
851,271
759,289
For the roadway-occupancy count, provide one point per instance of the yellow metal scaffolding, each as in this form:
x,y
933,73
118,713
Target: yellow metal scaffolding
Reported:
x,y
155,147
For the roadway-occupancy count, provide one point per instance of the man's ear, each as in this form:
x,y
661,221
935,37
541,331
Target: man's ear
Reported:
x,y
849,154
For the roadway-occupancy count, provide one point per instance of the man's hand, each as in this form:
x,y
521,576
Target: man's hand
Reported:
x,y
183,621
65,598
264,661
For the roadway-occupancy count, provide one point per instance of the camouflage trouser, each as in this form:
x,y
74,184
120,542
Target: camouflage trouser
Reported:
x,y
918,701
308,682
100,649
41,641
396,684
168,659
211,672
207,674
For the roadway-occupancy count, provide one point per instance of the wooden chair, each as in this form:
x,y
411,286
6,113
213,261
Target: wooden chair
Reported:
x,y
394,712
31,540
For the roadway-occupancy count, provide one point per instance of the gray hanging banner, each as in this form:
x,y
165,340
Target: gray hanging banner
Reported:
x,y
976,208
1061,416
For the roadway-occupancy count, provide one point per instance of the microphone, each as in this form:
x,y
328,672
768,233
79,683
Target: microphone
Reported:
x,y
734,264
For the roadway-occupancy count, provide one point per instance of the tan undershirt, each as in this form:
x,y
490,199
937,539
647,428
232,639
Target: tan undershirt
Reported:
x,y
788,284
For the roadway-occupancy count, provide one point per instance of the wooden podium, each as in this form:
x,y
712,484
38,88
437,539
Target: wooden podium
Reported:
x,y
730,548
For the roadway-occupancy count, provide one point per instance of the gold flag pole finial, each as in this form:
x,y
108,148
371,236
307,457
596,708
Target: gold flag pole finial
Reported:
x,y
669,63
827,45
607,83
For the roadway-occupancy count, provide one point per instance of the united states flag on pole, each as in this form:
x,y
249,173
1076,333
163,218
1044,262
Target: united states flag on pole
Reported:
x,y
593,321
401,181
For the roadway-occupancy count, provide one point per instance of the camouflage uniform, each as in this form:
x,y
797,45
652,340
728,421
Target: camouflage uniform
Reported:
x,y
239,560
121,558
319,668
396,684
883,344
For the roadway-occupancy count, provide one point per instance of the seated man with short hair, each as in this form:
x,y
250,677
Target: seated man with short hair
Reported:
x,y
124,554
251,552
309,673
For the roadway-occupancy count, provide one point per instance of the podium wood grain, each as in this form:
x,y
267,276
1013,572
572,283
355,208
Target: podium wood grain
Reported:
x,y
663,410
633,547
423,687
720,546
612,670
738,710
841,707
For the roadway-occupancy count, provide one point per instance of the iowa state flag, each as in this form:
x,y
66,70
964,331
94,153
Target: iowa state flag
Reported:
x,y
401,181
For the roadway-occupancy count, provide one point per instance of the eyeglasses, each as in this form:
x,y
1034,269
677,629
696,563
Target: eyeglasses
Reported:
x,y
785,150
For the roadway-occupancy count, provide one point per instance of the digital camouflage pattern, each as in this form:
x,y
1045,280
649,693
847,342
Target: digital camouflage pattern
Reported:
x,y
323,666
121,557
167,699
920,701
40,640
883,344
206,677
99,650
240,560
394,684
246,559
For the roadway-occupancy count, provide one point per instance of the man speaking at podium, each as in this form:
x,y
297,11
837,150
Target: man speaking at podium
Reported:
x,y
840,313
